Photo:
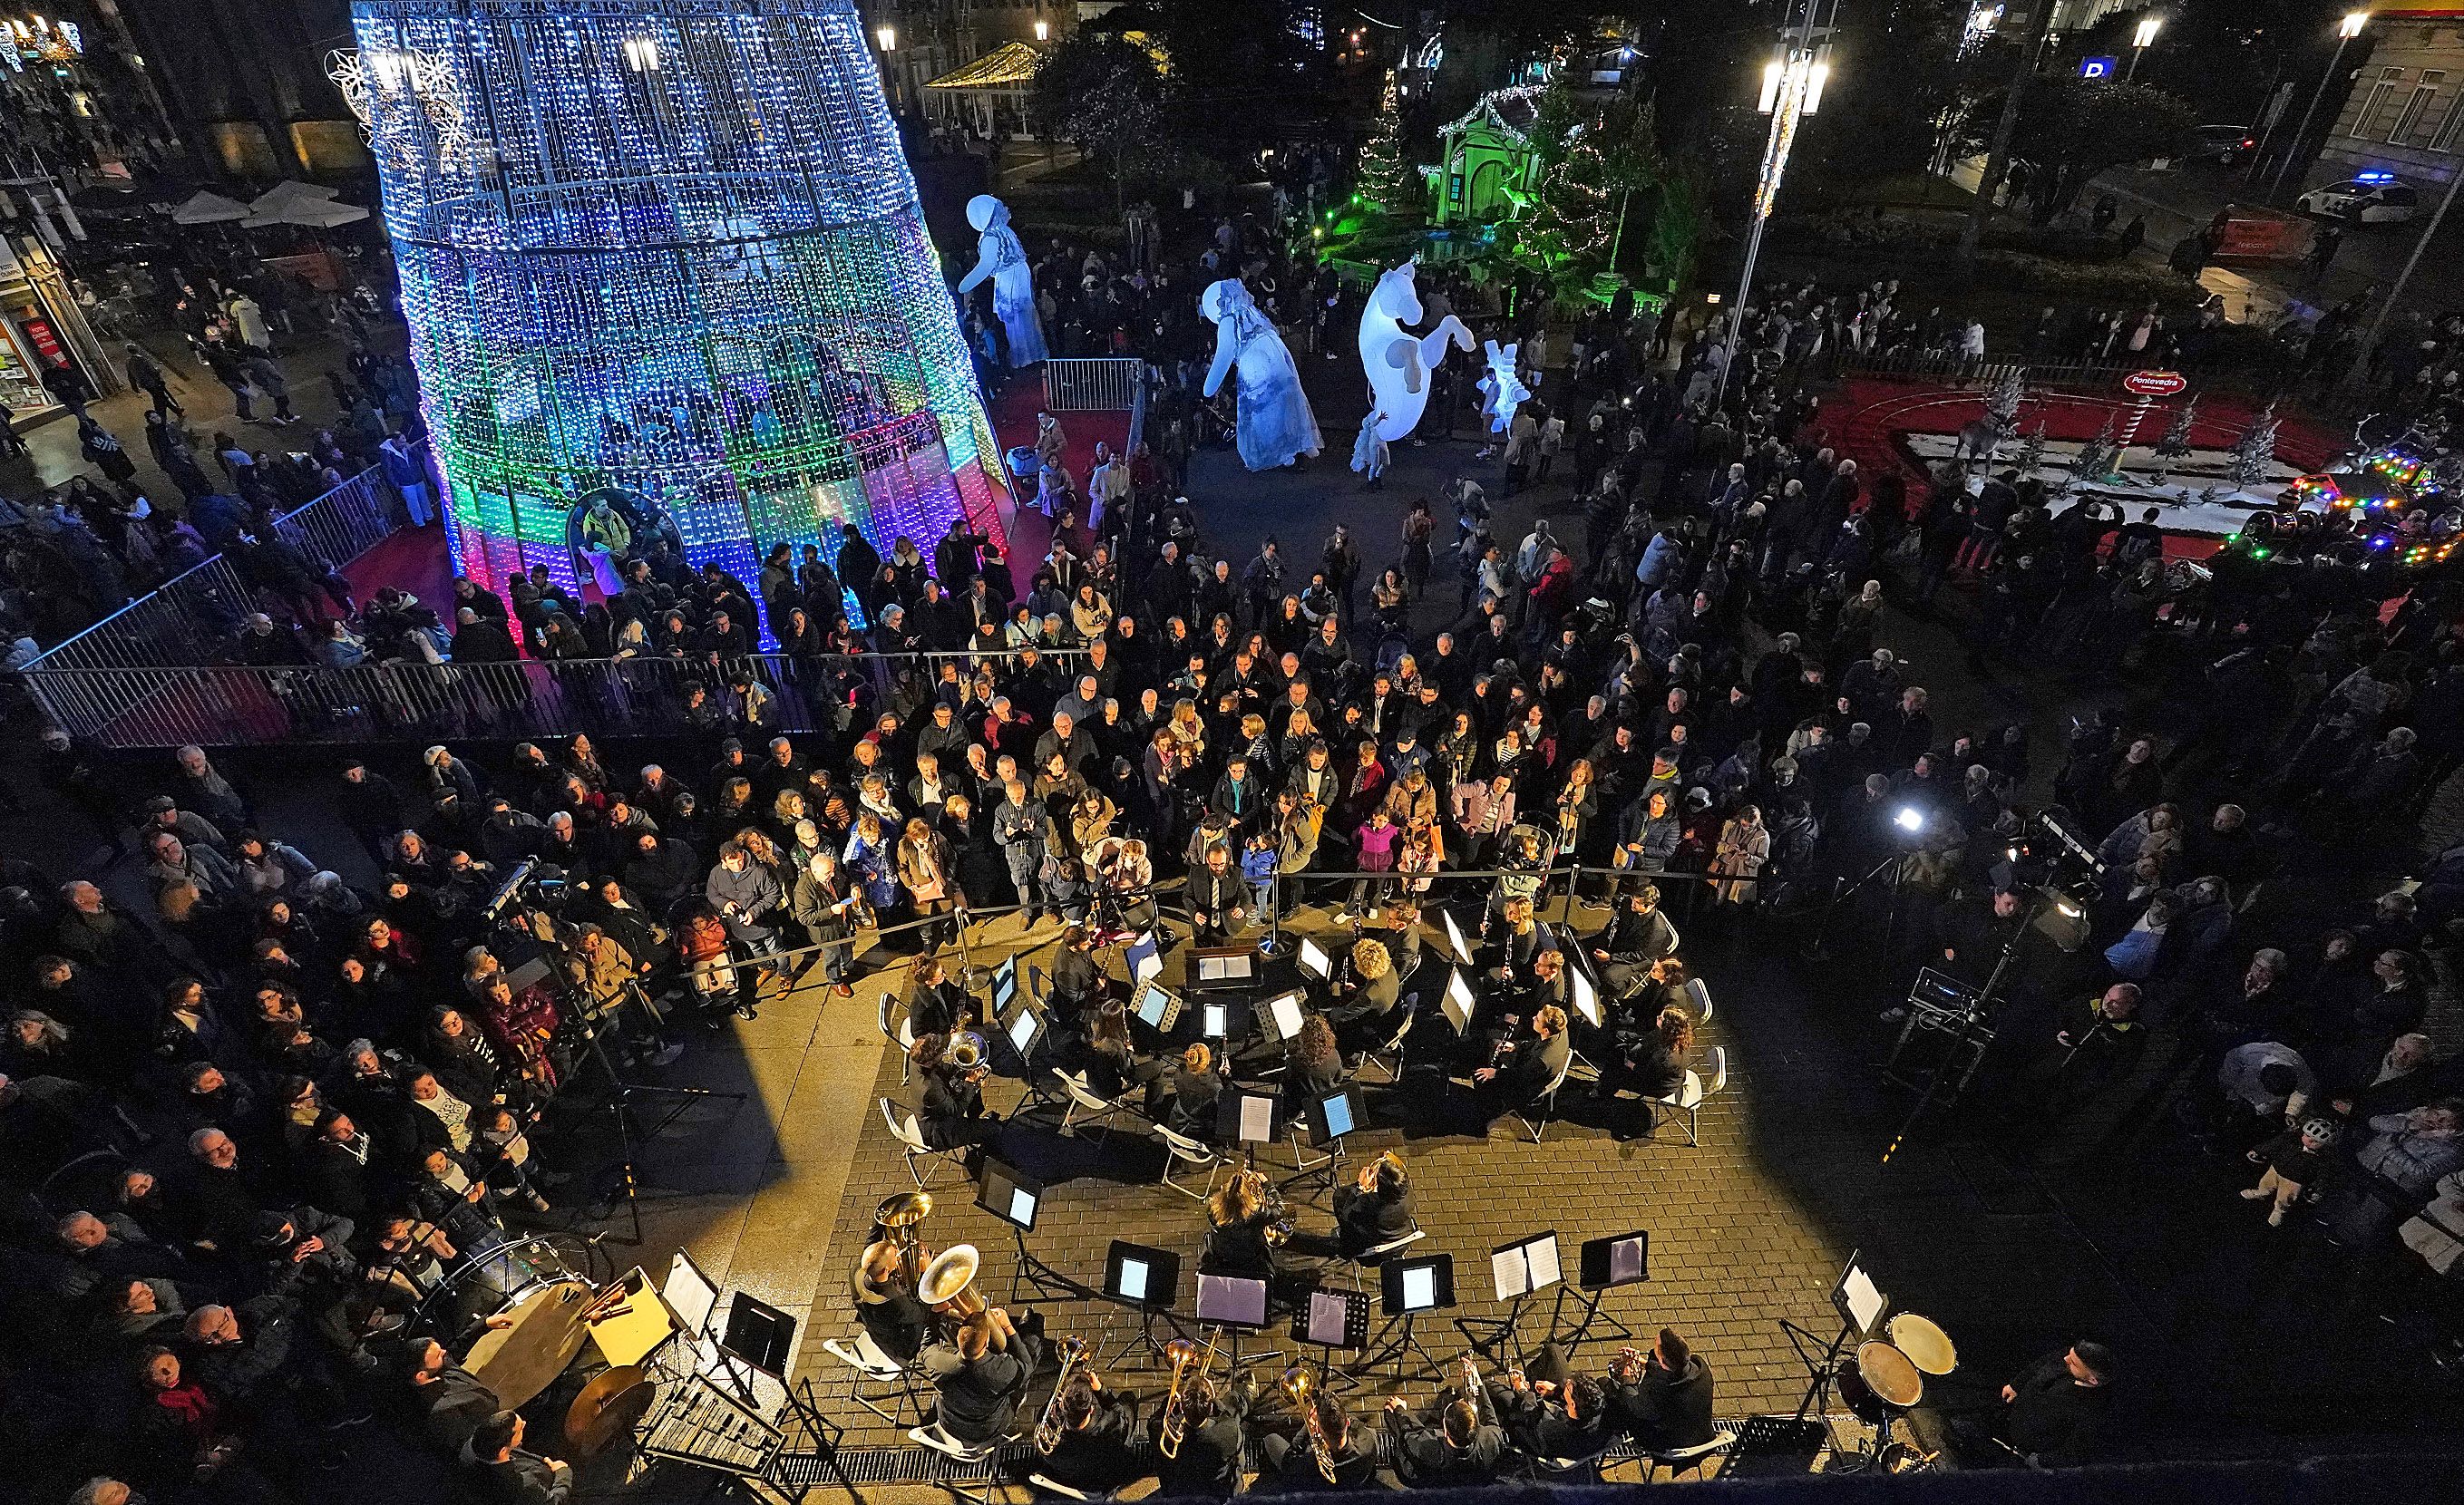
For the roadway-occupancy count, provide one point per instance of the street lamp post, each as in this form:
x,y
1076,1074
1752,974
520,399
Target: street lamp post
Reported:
x,y
2345,31
2146,33
1792,83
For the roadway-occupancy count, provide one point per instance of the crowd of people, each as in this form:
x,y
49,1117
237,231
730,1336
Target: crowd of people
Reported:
x,y
251,1128
90,544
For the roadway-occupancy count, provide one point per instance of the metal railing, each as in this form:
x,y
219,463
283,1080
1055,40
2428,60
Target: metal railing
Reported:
x,y
1093,383
1961,370
190,618
215,705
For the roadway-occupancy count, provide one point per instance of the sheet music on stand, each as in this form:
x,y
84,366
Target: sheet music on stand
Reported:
x,y
1526,1267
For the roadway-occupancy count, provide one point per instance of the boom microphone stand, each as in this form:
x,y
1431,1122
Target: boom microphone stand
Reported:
x,y
631,1134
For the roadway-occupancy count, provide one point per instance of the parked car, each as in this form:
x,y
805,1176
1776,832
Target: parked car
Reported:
x,y
2369,200
2224,144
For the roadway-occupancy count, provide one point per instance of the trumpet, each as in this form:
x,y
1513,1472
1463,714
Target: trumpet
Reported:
x,y
1047,1430
1471,1386
1627,1366
1182,1353
1298,1385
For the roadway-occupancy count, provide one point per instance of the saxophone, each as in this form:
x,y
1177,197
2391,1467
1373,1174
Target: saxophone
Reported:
x,y
1047,1429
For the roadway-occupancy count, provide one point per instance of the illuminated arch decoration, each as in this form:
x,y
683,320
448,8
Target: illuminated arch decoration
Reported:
x,y
669,246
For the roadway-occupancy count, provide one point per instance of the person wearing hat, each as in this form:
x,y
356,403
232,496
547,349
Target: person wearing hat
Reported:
x,y
162,813
2294,1158
2054,1412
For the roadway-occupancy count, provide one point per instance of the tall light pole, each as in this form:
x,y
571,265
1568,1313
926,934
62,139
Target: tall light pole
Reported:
x,y
2346,30
1793,80
2146,33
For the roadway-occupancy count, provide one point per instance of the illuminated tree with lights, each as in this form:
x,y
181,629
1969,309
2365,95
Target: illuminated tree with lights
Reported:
x,y
1596,178
1385,180
2255,453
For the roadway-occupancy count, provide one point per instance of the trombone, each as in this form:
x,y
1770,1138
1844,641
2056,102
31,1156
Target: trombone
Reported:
x,y
1182,1353
1047,1429
1301,1387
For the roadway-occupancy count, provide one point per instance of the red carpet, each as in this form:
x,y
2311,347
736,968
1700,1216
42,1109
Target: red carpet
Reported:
x,y
1013,415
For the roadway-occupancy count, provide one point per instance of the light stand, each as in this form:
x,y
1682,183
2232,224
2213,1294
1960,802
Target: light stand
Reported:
x,y
1971,1034
1897,864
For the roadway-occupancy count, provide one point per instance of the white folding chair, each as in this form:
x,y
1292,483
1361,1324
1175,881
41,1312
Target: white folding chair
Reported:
x,y
1682,1460
911,1143
1698,993
902,1034
1691,1093
1045,1484
1389,1057
1537,1123
873,1366
1565,1470
1084,1101
961,1458
1180,1149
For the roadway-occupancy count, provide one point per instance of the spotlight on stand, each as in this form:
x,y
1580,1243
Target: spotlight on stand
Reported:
x,y
1910,819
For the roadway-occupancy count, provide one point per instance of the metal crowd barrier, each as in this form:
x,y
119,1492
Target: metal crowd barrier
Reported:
x,y
242,704
1106,384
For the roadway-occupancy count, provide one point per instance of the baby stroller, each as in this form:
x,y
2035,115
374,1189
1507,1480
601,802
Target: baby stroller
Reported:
x,y
702,943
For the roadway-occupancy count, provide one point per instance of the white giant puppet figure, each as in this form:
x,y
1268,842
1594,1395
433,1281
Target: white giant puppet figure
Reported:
x,y
1275,424
1502,391
1399,365
1004,260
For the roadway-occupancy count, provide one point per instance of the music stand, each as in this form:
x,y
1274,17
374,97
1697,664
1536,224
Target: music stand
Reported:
x,y
1015,1199
1246,1116
1602,1265
1455,941
1329,1320
1280,1017
1519,1269
1223,1019
1005,985
1862,1306
1222,966
1147,1281
1236,1304
690,1293
1329,1116
1143,959
1407,1288
758,1337
1014,1044
1313,961
1458,1002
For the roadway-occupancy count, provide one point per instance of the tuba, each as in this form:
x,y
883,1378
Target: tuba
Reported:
x,y
1298,1385
948,1284
1047,1429
899,1216
1182,1353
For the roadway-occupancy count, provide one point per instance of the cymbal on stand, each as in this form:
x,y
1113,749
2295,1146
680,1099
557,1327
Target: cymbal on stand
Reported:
x,y
607,1407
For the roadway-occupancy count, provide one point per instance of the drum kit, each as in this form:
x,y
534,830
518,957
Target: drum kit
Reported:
x,y
519,1316
1884,1381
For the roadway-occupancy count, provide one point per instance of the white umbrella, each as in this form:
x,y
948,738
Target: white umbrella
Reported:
x,y
312,213
209,209
289,191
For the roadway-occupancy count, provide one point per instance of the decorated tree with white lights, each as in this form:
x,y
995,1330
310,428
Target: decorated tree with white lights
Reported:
x,y
2176,442
2255,453
1385,180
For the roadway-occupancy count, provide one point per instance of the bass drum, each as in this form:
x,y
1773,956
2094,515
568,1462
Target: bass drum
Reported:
x,y
512,1313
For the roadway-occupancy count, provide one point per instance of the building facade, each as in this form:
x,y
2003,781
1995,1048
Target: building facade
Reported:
x,y
2405,104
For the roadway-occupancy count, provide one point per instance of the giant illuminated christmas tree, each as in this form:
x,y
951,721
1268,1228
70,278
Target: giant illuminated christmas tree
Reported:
x,y
667,249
